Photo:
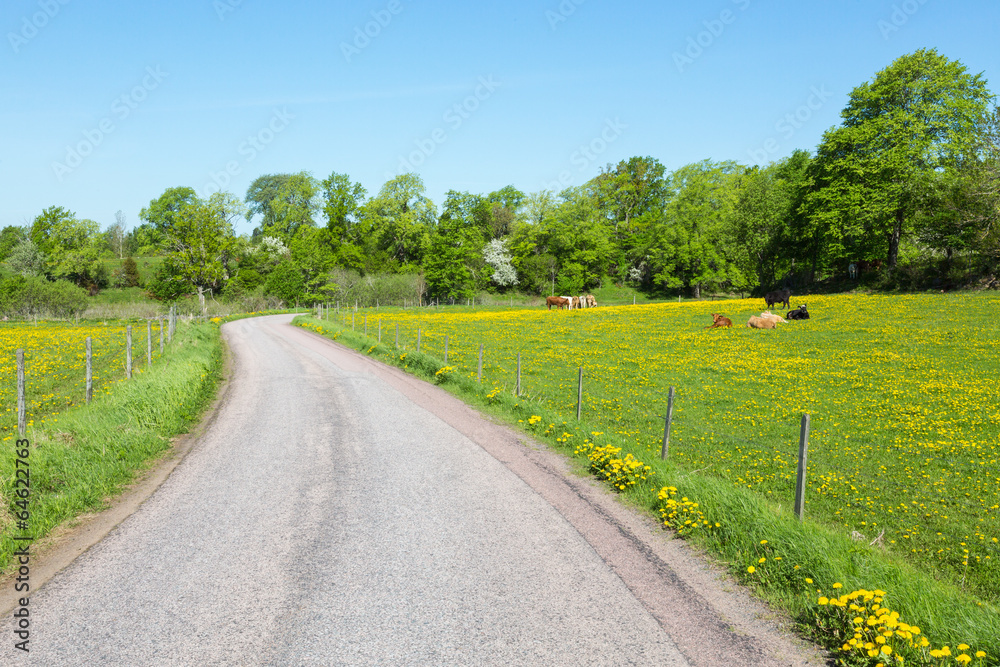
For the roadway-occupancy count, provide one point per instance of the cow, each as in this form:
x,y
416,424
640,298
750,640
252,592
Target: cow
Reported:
x,y
768,315
800,313
557,301
591,301
760,323
719,320
778,296
573,301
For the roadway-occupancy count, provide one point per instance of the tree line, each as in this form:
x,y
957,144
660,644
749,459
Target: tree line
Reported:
x,y
906,186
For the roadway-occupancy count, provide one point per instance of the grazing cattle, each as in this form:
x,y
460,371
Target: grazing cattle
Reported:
x,y
778,296
591,301
768,315
760,323
557,301
800,313
573,301
719,320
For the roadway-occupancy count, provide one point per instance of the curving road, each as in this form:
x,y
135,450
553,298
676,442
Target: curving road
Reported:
x,y
338,512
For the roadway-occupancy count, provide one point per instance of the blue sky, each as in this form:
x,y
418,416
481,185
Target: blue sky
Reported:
x,y
105,105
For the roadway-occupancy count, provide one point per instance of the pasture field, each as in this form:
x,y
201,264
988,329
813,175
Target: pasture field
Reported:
x,y
55,365
903,393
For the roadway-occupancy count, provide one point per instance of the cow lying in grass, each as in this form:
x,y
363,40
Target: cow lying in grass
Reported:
x,y
778,296
800,313
557,301
778,319
760,323
719,320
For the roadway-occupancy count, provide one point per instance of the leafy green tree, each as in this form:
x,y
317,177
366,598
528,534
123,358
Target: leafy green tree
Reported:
x,y
918,118
286,282
686,249
341,201
202,243
764,212
260,196
26,259
400,220
311,250
70,245
162,211
11,236
295,205
581,241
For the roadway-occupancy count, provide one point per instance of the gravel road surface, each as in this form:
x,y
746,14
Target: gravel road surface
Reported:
x,y
338,512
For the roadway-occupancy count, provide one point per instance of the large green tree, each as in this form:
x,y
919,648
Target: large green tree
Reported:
x,y
917,119
687,248
162,211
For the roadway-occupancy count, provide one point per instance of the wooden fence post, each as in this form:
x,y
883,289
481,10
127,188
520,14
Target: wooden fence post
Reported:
x,y
517,387
666,423
149,343
161,336
380,329
90,372
128,351
446,350
418,339
479,373
579,394
800,477
397,335
22,417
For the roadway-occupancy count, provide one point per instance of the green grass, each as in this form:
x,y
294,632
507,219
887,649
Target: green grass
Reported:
x,y
901,442
86,455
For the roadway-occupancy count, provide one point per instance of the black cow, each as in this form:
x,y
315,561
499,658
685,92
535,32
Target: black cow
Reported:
x,y
799,313
778,296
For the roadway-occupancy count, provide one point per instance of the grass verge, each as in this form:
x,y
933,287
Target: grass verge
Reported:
x,y
89,454
868,607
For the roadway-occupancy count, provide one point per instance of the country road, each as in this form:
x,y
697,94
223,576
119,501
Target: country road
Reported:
x,y
338,512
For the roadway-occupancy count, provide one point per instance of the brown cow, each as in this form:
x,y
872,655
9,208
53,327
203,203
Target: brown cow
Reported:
x,y
591,301
557,301
719,320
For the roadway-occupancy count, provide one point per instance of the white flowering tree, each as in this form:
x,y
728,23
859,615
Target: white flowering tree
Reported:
x,y
495,254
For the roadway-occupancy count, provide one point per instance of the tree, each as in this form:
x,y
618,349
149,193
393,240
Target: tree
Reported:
x,y
26,259
70,246
687,248
260,195
294,206
117,235
11,236
495,254
162,211
399,221
763,213
342,199
202,243
917,119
